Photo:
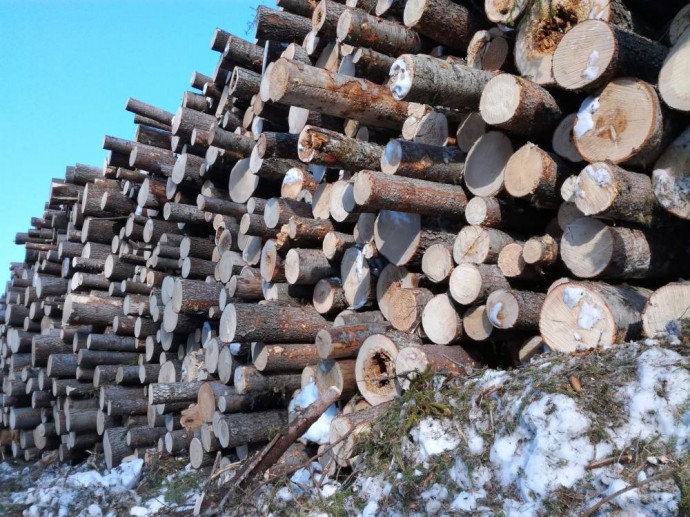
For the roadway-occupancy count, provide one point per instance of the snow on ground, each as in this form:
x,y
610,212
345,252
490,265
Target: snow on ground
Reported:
x,y
84,491
525,443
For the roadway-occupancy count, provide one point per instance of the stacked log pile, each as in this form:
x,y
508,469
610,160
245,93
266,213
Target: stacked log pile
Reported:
x,y
371,190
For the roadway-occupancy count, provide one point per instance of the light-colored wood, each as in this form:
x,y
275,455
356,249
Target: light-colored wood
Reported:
x,y
606,129
584,315
440,320
673,78
473,283
671,177
535,175
593,52
488,50
358,282
478,245
407,307
437,262
562,141
485,164
449,361
666,311
511,309
513,265
606,190
506,12
542,27
540,251
518,105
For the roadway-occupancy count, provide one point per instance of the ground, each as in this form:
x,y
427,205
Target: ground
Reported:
x,y
598,433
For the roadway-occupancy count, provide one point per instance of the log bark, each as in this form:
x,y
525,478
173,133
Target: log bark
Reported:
x,y
584,315
307,266
290,358
426,162
301,85
493,212
449,361
269,323
333,149
540,251
372,65
450,24
426,79
248,379
171,392
248,428
359,29
283,26
591,249
194,297
606,190
379,190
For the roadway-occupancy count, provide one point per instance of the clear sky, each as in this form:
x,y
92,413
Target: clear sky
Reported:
x,y
67,68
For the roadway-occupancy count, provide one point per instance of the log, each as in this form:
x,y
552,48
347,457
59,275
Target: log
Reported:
x,y
519,106
343,342
499,213
669,178
426,162
146,110
426,79
585,315
379,190
332,149
193,296
440,320
248,428
325,17
488,50
666,310
283,358
486,162
298,427
269,323
358,281
372,65
296,182
673,85
437,262
405,310
375,369
473,283
478,245
329,296
450,24
605,129
540,251
512,265
334,94
590,248
307,266
248,379
171,392
278,212
346,430
359,29
593,52
542,27
280,26
335,244
606,190
511,309
449,361
535,175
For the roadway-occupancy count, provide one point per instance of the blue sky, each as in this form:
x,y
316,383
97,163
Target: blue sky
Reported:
x,y
67,68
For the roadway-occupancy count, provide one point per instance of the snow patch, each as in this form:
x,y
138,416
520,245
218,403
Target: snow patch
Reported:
x,y
432,438
672,191
493,315
572,295
592,71
319,430
584,121
600,176
588,317
401,80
